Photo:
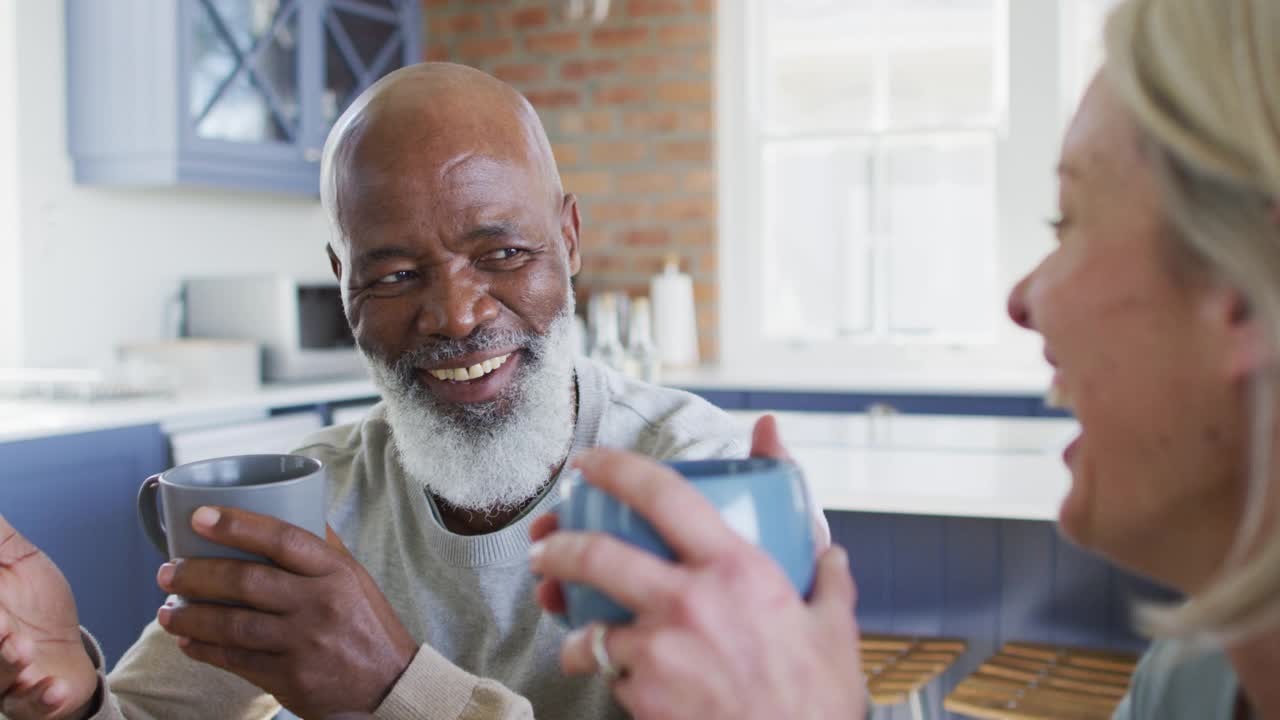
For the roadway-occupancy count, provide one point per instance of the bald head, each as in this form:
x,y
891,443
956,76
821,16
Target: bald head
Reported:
x,y
428,122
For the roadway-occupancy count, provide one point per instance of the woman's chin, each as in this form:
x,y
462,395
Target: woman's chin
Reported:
x,y
1075,517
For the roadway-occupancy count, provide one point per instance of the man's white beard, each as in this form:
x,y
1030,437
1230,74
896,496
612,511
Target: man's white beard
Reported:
x,y
493,456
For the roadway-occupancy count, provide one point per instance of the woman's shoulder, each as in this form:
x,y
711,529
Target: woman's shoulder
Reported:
x,y
1173,682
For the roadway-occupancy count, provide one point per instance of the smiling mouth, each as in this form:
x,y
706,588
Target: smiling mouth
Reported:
x,y
471,372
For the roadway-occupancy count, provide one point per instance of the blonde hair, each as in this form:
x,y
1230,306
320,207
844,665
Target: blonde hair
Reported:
x,y
1202,79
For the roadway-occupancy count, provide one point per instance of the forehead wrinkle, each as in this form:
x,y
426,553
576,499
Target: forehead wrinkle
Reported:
x,y
447,168
459,165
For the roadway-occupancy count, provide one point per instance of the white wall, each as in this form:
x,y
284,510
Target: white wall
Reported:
x,y
98,265
10,251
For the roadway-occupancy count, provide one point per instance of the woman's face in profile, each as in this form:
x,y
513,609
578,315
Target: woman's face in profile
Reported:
x,y
1136,338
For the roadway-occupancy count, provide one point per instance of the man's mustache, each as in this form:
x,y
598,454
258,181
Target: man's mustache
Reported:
x,y
435,352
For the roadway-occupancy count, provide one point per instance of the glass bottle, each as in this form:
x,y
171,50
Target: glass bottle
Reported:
x,y
643,360
606,346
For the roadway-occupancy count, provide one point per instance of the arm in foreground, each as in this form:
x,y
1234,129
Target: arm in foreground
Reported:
x,y
719,634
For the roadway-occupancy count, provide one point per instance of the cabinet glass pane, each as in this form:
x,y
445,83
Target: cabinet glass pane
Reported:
x,y
817,243
212,61
241,114
245,20
244,74
381,5
941,236
340,79
368,35
277,68
359,48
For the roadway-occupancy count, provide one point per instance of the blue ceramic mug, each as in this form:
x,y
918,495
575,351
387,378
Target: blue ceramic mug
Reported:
x,y
763,500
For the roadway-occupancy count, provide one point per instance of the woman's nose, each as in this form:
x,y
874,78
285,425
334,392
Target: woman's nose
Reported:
x,y
1018,308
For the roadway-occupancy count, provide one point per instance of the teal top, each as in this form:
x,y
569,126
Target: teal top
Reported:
x,y
1171,687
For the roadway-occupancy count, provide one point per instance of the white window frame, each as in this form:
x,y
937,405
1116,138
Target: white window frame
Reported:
x,y
11,288
1026,188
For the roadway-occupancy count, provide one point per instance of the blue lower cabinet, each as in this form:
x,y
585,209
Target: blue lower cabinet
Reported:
x,y
998,405
987,581
723,399
74,496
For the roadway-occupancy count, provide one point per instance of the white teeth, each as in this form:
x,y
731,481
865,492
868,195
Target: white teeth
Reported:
x,y
470,373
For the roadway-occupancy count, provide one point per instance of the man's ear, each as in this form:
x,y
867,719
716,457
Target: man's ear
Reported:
x,y
334,262
1243,339
570,222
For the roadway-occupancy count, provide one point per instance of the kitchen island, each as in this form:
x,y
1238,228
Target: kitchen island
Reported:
x,y
947,518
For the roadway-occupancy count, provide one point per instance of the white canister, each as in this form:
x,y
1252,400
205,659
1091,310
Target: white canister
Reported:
x,y
675,317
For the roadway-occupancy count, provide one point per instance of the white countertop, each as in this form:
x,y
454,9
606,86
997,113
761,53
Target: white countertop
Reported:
x,y
23,420
916,464
978,382
931,465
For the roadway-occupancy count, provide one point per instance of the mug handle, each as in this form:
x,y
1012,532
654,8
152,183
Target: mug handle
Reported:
x,y
149,515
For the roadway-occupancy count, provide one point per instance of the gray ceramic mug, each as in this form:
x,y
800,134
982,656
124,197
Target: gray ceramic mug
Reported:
x,y
288,487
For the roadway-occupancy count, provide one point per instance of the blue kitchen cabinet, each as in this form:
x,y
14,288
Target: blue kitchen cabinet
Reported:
x,y
74,496
231,93
989,581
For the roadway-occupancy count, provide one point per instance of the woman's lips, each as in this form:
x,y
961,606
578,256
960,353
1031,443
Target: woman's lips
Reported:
x,y
1070,451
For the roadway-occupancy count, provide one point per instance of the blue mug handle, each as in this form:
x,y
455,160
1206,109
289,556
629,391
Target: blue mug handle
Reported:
x,y
149,514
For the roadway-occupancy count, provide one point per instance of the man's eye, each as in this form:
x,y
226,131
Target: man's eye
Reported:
x,y
504,254
395,277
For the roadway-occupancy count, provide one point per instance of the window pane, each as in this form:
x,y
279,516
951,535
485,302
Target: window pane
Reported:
x,y
942,63
1082,45
876,65
817,240
941,234
819,64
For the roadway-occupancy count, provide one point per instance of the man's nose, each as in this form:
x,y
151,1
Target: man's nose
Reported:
x,y
454,306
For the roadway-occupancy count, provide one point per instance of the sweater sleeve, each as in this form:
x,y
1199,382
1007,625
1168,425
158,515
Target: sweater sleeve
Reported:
x,y
155,680
433,688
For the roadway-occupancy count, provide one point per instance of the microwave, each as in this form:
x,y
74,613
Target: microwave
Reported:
x,y
299,323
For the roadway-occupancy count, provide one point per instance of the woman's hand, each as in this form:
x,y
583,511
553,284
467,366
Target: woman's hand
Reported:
x,y
720,634
45,672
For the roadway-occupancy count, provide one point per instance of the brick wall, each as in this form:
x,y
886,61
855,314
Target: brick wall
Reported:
x,y
628,107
